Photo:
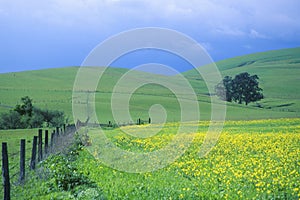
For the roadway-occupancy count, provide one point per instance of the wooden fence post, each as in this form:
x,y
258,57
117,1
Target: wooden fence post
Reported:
x,y
33,153
52,139
64,128
5,172
22,161
56,136
46,141
40,146
57,131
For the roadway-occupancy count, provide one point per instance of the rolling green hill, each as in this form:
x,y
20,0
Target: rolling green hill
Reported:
x,y
52,88
278,71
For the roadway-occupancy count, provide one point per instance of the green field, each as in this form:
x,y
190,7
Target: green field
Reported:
x,y
13,137
256,156
257,159
279,77
52,88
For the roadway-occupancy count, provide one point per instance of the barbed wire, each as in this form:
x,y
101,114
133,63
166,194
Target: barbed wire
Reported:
x,y
60,143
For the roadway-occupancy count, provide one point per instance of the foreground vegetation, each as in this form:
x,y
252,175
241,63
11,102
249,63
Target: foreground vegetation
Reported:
x,y
256,159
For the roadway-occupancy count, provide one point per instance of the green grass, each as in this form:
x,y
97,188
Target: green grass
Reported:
x,y
253,159
52,88
12,138
253,148
256,159
279,77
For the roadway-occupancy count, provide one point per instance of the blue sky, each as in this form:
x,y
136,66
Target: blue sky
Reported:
x,y
59,33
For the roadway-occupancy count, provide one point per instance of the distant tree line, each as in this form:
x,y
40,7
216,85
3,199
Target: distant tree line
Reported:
x,y
242,88
25,115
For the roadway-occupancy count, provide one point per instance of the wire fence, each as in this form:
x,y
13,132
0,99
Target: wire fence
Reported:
x,y
26,158
16,164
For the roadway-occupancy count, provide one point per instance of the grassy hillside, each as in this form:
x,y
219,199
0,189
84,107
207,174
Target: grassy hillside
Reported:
x,y
279,77
52,88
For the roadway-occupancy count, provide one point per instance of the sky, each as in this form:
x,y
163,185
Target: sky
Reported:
x,y
58,33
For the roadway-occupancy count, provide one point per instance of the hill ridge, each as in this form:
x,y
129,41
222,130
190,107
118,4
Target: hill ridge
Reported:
x,y
278,71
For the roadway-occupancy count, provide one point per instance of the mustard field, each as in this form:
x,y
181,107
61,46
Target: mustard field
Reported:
x,y
257,159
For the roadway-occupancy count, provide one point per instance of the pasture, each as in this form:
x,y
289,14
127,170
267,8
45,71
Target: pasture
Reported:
x,y
52,88
256,156
257,159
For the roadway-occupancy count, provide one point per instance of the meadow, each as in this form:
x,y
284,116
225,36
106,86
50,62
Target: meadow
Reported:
x,y
257,159
13,137
52,88
256,156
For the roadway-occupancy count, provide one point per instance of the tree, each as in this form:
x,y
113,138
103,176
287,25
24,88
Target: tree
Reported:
x,y
11,120
48,118
246,88
243,88
37,119
26,107
25,115
224,89
52,118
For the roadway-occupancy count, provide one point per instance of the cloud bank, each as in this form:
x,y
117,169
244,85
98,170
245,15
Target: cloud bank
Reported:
x,y
47,29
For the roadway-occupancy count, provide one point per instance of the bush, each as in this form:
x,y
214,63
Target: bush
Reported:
x,y
37,119
64,175
11,120
28,116
52,118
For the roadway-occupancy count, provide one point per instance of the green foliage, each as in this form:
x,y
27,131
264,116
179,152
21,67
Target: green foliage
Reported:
x,y
243,88
37,119
10,120
26,107
52,118
63,174
245,148
52,175
83,138
27,116
89,193
234,169
224,89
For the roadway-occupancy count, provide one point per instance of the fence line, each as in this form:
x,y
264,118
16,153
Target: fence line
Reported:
x,y
37,154
110,124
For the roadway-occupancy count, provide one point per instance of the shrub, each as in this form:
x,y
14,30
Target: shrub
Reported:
x,y
28,116
11,120
64,175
